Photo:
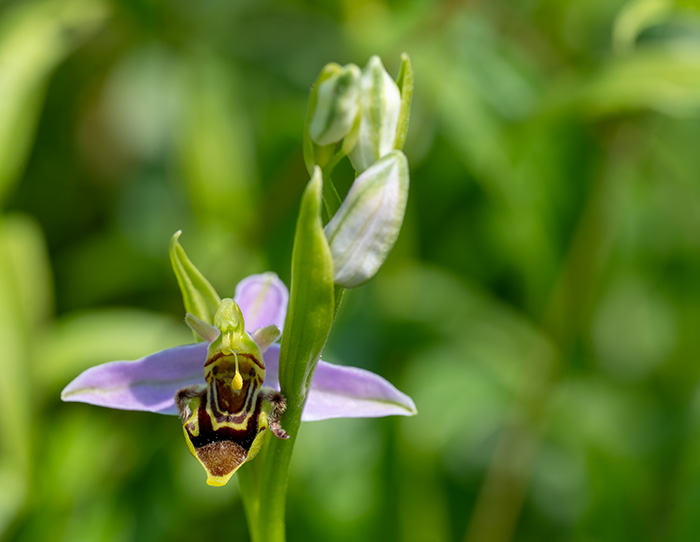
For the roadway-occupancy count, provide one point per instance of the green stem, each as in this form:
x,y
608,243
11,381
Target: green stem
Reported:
x,y
331,198
275,477
249,478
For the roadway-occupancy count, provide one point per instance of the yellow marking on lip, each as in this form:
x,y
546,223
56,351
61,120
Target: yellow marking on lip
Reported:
x,y
237,380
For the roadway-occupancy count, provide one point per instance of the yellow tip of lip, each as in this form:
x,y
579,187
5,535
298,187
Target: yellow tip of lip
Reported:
x,y
218,481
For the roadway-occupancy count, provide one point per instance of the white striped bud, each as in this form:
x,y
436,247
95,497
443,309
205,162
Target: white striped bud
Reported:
x,y
337,106
367,224
380,102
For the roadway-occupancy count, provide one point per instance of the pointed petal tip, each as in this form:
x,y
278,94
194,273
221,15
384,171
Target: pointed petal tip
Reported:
x,y
339,391
349,392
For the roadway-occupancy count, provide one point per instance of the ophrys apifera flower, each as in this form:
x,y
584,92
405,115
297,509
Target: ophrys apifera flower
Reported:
x,y
226,387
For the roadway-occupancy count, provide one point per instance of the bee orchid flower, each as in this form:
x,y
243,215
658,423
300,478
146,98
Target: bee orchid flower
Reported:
x,y
226,387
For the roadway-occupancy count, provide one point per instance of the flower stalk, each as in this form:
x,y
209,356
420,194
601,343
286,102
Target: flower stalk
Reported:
x,y
235,385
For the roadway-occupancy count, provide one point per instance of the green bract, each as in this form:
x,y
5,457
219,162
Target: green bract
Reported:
x,y
311,303
405,82
307,326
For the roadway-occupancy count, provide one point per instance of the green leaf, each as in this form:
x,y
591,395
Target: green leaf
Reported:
x,y
660,78
405,84
199,296
25,293
34,38
635,17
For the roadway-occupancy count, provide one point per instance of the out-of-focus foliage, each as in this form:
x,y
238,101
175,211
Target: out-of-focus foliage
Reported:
x,y
541,306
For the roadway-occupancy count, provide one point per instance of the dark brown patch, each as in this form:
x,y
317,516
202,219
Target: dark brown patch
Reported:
x,y
228,400
212,359
253,360
222,457
250,357
243,437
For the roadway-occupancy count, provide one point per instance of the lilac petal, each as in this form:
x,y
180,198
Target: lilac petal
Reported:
x,y
271,357
263,301
344,392
147,384
349,392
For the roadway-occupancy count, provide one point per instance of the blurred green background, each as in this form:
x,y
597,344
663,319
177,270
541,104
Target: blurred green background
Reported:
x,y
542,305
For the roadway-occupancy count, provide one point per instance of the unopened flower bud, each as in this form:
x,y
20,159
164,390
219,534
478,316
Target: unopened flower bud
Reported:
x,y
380,101
337,106
366,226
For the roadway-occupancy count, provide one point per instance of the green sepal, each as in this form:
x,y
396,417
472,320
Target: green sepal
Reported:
x,y
405,83
198,295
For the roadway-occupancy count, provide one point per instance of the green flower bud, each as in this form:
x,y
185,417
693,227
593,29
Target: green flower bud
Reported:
x,y
380,100
364,229
337,106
